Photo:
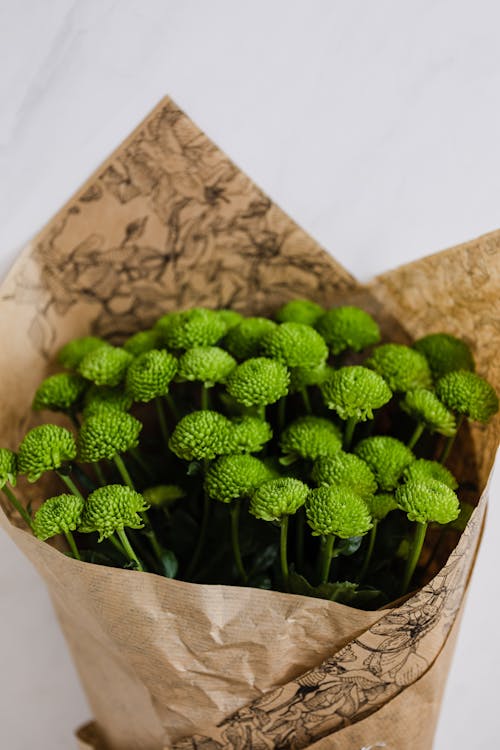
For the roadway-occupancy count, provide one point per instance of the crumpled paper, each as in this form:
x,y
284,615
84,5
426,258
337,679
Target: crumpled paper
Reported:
x,y
169,222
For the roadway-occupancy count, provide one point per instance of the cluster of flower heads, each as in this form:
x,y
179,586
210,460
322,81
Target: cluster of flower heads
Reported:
x,y
274,420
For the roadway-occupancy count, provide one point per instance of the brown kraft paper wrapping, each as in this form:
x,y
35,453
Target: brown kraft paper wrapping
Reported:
x,y
169,222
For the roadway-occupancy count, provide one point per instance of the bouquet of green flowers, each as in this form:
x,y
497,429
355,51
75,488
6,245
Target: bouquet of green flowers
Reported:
x,y
254,488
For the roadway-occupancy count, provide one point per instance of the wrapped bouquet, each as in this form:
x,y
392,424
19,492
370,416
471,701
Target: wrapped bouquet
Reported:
x,y
263,484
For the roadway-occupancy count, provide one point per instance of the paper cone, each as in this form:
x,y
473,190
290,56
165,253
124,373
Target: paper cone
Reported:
x,y
169,222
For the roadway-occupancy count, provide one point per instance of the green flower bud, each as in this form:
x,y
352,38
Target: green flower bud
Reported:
x,y
310,437
245,339
207,364
45,448
468,394
277,498
103,398
58,515
302,377
337,510
426,501
59,392
106,434
258,382
163,495
111,508
445,353
381,505
354,392
230,317
142,342
150,374
74,351
403,368
387,457
196,327
348,328
295,345
422,469
8,468
106,365
235,476
345,469
425,407
300,311
201,435
250,434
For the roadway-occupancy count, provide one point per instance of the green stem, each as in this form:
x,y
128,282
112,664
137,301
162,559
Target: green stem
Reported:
x,y
148,531
99,474
116,544
234,511
449,442
326,557
281,413
299,538
261,411
72,544
349,432
417,432
71,485
173,408
128,548
74,419
283,550
161,419
305,398
414,555
369,551
17,505
201,537
205,397
120,465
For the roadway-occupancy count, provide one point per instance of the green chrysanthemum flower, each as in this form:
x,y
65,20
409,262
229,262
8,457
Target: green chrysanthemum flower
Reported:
x,y
468,394
426,501
258,381
277,498
250,434
300,311
58,515
345,469
150,374
74,351
207,364
337,510
425,407
445,353
45,448
59,392
111,508
423,469
106,434
202,435
387,457
348,328
106,365
8,468
143,341
196,327
163,495
303,377
402,368
245,339
295,345
230,317
310,437
354,392
381,505
103,398
235,476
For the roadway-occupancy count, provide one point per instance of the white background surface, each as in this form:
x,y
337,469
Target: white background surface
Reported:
x,y
376,125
